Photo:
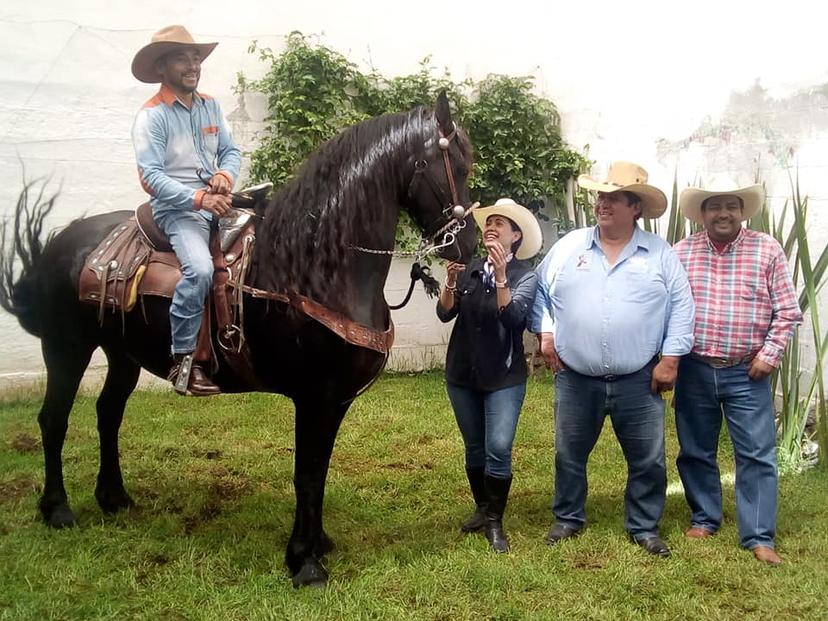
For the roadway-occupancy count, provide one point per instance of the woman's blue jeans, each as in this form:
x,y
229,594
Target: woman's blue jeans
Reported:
x,y
189,235
703,394
488,421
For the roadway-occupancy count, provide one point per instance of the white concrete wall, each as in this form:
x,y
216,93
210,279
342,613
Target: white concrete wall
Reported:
x,y
648,81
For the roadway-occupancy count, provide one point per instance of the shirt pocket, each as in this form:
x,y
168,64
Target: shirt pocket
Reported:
x,y
748,291
210,135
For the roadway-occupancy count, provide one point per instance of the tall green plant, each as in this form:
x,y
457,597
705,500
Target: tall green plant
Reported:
x,y
798,393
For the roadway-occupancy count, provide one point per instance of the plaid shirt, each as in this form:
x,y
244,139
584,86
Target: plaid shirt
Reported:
x,y
745,299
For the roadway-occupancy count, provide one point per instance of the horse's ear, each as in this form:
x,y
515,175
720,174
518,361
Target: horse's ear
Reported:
x,y
443,114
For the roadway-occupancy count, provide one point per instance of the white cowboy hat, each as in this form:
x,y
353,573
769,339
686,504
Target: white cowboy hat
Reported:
x,y
163,42
691,199
532,238
629,177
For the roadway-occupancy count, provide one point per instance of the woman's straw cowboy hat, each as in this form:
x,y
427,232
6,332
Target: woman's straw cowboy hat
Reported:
x,y
532,238
163,42
691,199
629,177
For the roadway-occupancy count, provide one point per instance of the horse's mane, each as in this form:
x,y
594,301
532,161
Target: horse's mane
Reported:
x,y
304,241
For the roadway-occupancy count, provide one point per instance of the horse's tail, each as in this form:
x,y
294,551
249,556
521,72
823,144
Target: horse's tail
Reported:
x,y
22,241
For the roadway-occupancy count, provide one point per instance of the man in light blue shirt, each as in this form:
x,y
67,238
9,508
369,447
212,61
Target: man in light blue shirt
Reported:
x,y
611,299
188,164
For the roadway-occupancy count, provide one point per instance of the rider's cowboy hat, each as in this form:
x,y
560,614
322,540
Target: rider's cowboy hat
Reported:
x,y
532,238
691,199
629,177
163,42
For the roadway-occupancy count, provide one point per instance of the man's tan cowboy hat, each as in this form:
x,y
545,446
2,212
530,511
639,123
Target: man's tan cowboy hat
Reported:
x,y
163,42
629,177
532,238
691,199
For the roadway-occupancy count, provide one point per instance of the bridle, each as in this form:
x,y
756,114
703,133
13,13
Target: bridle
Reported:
x,y
439,235
443,231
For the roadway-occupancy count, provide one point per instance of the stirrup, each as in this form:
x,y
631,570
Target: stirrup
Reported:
x,y
185,367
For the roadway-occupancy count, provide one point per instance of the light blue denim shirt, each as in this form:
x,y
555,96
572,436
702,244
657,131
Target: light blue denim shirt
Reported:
x,y
173,141
612,320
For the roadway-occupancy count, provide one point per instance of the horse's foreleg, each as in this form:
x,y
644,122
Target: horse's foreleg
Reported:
x,y
65,364
317,424
121,379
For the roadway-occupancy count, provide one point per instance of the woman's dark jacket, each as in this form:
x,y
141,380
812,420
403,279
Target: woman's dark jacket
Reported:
x,y
485,351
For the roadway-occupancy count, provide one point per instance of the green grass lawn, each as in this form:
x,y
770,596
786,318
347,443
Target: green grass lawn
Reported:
x,y
212,479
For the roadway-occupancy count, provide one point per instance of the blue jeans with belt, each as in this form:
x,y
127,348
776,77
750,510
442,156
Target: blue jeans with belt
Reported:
x,y
189,234
703,394
581,405
488,421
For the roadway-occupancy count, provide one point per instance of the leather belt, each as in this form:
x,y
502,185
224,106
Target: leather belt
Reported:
x,y
722,363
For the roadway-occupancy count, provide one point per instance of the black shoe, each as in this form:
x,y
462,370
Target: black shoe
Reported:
x,y
653,545
559,532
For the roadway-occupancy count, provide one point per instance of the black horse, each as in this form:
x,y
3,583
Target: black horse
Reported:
x,y
313,239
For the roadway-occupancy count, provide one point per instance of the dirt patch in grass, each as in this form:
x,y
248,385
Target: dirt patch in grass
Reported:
x,y
588,561
224,490
398,465
17,488
25,443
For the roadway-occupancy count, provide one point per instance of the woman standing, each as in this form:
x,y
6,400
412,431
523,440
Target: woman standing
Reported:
x,y
485,365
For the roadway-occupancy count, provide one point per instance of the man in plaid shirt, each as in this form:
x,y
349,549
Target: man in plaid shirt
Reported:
x,y
746,311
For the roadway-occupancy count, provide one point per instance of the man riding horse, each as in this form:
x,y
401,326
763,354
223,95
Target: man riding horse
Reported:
x,y
179,133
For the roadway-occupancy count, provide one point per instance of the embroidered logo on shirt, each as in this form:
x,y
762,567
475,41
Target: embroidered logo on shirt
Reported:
x,y
583,262
210,129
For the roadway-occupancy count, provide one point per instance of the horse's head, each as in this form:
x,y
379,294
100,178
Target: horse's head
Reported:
x,y
438,195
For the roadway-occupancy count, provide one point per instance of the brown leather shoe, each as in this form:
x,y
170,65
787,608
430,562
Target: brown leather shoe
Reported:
x,y
697,532
199,385
766,554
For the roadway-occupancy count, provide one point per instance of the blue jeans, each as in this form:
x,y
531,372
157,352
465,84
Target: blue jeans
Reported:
x,y
702,393
488,421
637,415
189,234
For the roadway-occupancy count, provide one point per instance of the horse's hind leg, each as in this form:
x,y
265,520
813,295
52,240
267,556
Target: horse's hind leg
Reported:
x,y
65,364
317,424
121,379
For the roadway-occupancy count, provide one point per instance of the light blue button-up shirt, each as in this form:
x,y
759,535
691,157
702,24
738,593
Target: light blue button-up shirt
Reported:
x,y
173,141
612,320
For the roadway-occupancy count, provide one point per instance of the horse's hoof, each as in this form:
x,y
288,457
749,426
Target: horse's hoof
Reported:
x,y
311,574
60,516
112,501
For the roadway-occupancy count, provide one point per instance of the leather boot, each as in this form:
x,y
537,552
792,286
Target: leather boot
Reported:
x,y
199,385
477,520
497,493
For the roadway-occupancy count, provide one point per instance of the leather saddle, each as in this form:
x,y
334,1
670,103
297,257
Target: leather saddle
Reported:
x,y
136,259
